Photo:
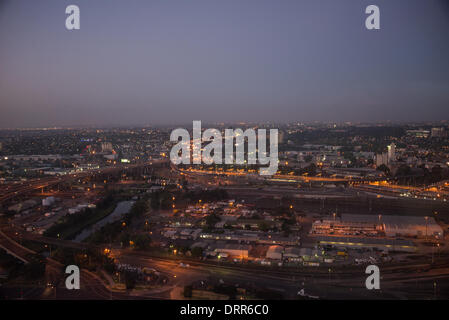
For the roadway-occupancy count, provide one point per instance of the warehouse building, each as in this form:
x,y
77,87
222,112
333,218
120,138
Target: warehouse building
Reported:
x,y
347,228
233,250
400,226
381,244
292,254
275,252
390,226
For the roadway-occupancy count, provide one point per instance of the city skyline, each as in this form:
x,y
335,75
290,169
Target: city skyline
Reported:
x,y
163,63
220,157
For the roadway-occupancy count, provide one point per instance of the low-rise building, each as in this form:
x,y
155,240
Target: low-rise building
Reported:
x,y
292,254
368,243
275,252
233,250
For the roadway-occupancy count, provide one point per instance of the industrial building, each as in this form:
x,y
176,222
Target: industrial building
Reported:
x,y
251,237
413,227
275,252
400,226
233,250
381,244
378,226
339,227
292,254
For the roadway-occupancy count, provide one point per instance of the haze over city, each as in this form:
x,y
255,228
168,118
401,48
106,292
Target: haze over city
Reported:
x,y
219,157
168,62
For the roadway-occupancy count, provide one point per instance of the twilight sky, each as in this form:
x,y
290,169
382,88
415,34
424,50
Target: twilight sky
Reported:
x,y
138,62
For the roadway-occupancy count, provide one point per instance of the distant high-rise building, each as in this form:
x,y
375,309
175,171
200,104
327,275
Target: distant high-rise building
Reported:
x,y
1,146
381,158
437,133
281,137
106,147
418,133
391,152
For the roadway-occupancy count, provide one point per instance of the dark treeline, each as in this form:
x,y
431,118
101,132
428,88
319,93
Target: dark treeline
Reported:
x,y
406,175
34,270
70,226
121,230
90,259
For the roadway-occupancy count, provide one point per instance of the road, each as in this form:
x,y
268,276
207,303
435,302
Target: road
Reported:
x,y
11,191
398,282
92,286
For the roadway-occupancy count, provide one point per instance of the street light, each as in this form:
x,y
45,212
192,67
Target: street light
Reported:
x,y
48,246
427,218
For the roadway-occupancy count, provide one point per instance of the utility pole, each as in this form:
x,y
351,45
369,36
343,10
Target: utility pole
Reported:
x,y
427,218
433,247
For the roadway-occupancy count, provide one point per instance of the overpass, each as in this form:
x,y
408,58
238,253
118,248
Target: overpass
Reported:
x,y
37,184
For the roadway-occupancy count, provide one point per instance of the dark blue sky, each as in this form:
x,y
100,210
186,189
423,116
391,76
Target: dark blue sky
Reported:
x,y
173,61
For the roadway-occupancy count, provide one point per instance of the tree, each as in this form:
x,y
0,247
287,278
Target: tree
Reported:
x,y
142,241
35,269
124,238
139,208
166,202
188,291
384,169
155,200
197,252
211,220
310,169
263,226
403,170
109,265
130,280
436,173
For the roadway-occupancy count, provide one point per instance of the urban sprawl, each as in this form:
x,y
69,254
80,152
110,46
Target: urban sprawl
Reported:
x,y
109,200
